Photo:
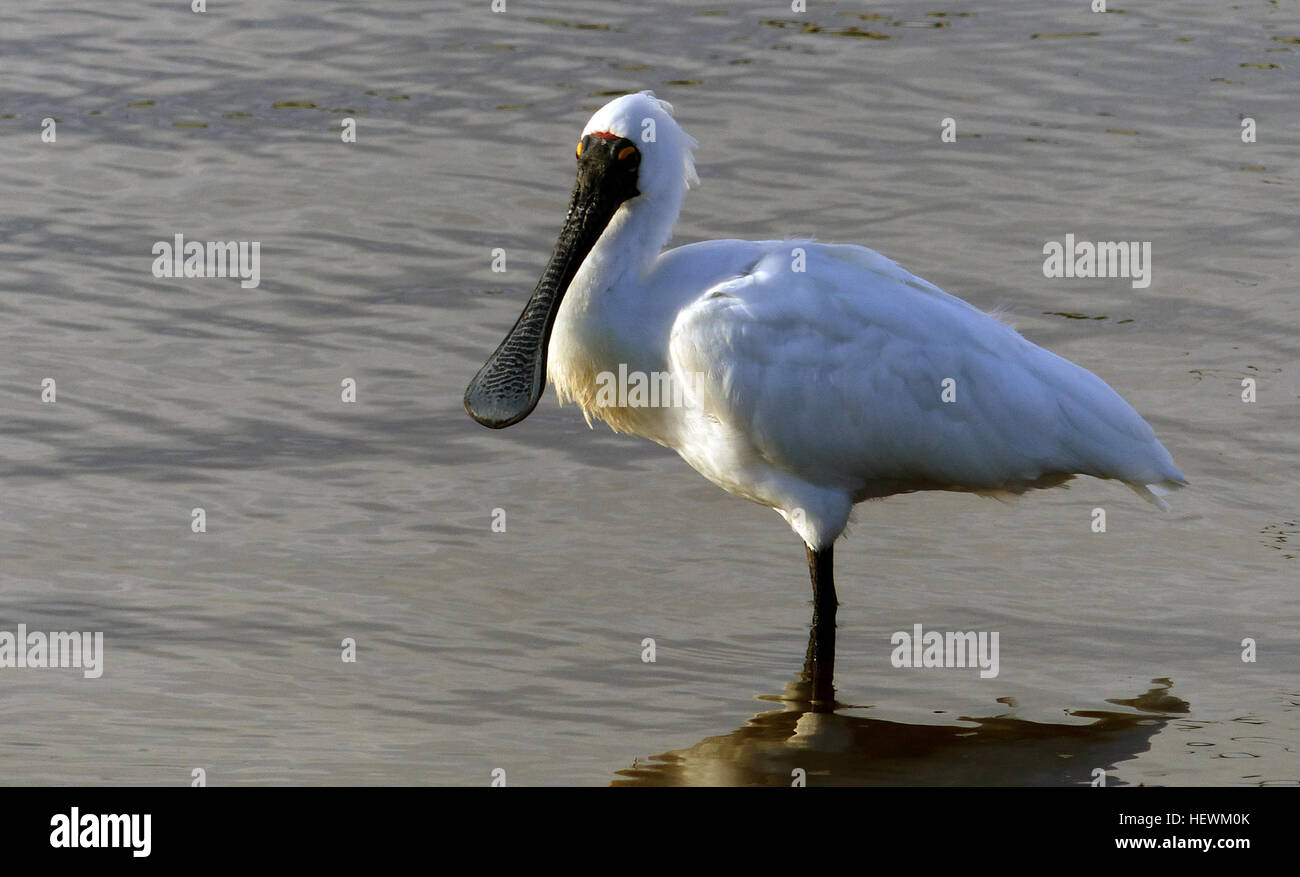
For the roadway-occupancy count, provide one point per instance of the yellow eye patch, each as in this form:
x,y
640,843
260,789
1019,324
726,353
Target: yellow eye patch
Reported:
x,y
625,152
579,149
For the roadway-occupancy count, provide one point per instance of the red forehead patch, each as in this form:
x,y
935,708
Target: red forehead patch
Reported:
x,y
603,135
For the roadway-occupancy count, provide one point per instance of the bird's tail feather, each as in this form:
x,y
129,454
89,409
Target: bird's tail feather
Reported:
x,y
1156,493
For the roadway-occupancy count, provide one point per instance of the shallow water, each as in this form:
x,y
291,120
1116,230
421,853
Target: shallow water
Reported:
x,y
522,650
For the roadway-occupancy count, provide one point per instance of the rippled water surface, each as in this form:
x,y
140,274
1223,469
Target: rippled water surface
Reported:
x,y
522,650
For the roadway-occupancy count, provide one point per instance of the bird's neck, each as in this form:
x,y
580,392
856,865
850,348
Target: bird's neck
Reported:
x,y
632,241
609,322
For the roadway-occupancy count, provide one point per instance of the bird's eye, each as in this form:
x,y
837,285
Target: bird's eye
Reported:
x,y
625,152
579,149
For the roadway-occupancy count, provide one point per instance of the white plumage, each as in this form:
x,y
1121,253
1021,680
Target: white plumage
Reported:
x,y
825,386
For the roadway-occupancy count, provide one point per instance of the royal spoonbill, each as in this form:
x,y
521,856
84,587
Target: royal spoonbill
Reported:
x,y
812,376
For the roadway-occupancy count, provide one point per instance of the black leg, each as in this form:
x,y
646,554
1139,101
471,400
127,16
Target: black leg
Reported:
x,y
820,659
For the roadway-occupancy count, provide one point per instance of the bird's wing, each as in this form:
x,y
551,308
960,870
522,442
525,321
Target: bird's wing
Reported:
x,y
853,371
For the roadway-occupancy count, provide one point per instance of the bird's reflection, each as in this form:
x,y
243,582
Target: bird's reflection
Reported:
x,y
833,748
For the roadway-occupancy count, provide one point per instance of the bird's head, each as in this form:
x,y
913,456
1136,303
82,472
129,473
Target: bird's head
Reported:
x,y
636,138
632,152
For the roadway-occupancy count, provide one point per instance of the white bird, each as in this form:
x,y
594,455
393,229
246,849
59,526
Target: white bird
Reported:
x,y
812,376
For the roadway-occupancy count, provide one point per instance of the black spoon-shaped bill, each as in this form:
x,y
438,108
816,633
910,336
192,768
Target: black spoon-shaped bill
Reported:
x,y
509,385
